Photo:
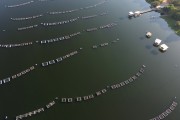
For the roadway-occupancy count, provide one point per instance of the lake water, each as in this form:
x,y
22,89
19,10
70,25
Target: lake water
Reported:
x,y
92,69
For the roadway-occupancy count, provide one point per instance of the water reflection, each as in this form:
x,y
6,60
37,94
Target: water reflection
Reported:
x,y
148,47
152,49
172,38
142,38
155,52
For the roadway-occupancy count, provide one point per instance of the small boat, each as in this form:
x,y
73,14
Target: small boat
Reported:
x,y
163,47
137,13
148,34
6,117
131,14
157,42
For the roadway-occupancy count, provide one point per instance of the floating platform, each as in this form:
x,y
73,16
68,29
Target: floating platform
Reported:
x,y
163,47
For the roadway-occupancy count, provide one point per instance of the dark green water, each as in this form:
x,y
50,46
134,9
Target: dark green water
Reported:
x,y
92,69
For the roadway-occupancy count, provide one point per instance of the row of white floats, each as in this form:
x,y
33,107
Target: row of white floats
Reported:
x,y
131,79
101,27
18,5
51,62
93,16
6,80
29,114
84,98
37,111
57,60
60,22
105,44
72,20
76,99
89,97
74,10
29,2
27,18
28,27
41,42
167,112
15,45
110,25
40,15
60,38
57,23
103,91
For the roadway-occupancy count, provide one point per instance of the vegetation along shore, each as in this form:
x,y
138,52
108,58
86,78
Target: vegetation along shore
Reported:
x,y
171,12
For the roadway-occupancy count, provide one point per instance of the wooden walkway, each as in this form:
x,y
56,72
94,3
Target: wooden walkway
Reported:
x,y
148,10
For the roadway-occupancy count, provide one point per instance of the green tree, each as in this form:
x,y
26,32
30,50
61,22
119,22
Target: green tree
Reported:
x,y
170,9
176,15
178,24
155,3
176,3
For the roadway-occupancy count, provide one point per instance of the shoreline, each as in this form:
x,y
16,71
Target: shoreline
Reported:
x,y
168,16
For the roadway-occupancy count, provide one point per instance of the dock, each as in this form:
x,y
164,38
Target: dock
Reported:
x,y
148,10
138,13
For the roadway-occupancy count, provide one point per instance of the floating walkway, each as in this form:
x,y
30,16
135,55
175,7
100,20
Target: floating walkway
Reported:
x,y
104,44
57,39
53,23
57,60
82,98
130,80
167,112
29,114
49,105
93,16
6,80
22,4
101,27
15,45
79,9
138,13
62,12
28,27
41,15
60,38
69,21
37,111
60,22
103,91
43,0
27,18
51,62
52,13
148,10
